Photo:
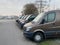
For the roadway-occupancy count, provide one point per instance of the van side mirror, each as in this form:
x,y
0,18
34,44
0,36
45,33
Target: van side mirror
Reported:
x,y
43,21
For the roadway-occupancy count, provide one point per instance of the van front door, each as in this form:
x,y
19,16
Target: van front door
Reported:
x,y
49,24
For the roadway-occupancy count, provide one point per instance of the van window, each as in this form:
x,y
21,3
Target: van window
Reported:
x,y
25,16
31,18
20,17
50,17
28,17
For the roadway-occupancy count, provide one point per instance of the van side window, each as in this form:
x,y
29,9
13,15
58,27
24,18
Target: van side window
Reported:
x,y
50,17
46,19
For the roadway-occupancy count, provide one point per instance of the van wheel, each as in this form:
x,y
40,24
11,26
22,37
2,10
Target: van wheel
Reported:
x,y
38,37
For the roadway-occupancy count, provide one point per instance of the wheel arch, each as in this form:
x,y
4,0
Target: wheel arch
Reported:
x,y
40,31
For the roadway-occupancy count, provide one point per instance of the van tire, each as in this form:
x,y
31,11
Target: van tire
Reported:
x,y
38,37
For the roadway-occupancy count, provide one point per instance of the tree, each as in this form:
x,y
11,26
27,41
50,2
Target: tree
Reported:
x,y
30,9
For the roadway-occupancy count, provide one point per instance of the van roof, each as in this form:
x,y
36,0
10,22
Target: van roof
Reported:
x,y
54,11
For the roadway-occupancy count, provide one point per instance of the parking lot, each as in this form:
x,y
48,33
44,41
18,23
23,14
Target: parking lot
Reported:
x,y
11,34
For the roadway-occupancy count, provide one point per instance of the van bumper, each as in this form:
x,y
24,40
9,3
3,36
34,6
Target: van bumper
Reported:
x,y
28,34
17,21
21,25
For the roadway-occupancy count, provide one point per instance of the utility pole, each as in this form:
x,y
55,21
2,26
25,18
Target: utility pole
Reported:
x,y
41,4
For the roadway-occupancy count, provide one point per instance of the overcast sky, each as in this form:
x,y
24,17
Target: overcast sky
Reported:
x,y
14,7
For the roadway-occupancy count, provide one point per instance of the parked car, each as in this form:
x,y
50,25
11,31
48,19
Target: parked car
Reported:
x,y
29,18
45,25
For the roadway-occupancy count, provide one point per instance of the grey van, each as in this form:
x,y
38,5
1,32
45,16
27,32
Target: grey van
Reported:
x,y
22,17
29,18
45,25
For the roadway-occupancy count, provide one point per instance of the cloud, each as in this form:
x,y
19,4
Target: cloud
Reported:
x,y
8,7
14,7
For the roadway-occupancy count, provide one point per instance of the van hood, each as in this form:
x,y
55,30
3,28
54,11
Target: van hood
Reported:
x,y
30,24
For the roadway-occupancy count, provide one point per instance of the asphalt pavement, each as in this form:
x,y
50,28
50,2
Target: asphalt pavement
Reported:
x,y
11,34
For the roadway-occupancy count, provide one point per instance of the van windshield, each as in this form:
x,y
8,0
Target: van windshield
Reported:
x,y
20,16
38,18
28,17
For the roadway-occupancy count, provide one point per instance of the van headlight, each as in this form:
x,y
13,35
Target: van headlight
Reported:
x,y
28,28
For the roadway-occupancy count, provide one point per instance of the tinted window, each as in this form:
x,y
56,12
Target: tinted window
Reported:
x,y
31,18
23,17
50,17
45,18
20,17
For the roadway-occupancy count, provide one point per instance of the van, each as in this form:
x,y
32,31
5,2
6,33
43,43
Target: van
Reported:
x,y
45,25
19,18
22,17
29,18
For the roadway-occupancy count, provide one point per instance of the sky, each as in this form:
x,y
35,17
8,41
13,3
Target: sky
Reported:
x,y
14,7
